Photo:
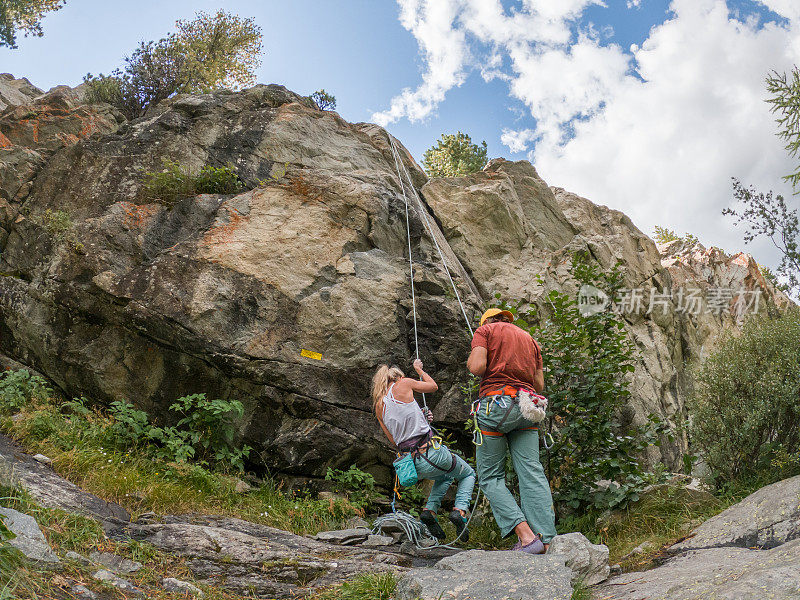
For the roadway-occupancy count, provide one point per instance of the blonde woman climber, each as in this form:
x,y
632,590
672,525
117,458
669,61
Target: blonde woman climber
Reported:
x,y
409,430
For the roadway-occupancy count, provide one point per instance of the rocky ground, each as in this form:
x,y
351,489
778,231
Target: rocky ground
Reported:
x,y
751,550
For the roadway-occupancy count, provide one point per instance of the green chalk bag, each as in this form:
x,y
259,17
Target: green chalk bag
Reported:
x,y
406,471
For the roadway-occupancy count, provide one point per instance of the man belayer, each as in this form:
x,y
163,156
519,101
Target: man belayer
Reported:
x,y
509,362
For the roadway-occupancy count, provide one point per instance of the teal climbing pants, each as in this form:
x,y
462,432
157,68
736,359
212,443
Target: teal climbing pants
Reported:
x,y
490,456
440,456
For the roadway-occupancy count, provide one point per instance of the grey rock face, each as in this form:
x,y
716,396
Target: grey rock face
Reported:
x,y
345,537
489,576
765,519
247,557
150,300
171,584
84,593
589,562
119,583
30,540
16,91
117,564
714,574
50,489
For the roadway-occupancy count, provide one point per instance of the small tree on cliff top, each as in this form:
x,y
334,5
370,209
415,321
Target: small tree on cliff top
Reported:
x,y
25,16
207,53
454,154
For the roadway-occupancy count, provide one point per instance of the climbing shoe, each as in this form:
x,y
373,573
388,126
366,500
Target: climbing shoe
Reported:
x,y
462,533
535,547
429,519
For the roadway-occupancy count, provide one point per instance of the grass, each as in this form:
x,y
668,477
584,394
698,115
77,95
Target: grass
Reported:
x,y
581,591
367,586
660,518
83,451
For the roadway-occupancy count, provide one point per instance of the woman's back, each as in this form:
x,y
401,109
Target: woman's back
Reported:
x,y
404,420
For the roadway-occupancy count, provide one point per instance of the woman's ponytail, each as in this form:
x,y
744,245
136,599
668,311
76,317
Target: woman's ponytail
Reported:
x,y
384,376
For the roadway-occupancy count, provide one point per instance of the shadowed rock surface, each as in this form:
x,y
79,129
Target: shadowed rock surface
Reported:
x,y
148,300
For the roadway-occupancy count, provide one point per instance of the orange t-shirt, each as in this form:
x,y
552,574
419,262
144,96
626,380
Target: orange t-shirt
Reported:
x,y
513,356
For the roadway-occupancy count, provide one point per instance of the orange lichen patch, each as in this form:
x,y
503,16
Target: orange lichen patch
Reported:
x,y
138,215
742,259
224,234
5,142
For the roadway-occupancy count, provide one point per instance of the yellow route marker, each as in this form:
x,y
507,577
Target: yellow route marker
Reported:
x,y
310,354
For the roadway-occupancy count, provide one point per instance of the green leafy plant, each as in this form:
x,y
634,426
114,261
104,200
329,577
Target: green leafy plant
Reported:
x,y
454,154
324,100
211,428
746,407
357,484
587,359
176,181
663,235
205,433
17,388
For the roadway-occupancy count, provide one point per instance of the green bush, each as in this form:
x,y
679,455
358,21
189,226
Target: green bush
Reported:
x,y
211,429
17,388
587,360
176,181
357,484
745,413
204,433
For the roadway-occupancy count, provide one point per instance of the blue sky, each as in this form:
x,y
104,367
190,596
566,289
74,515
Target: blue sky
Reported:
x,y
621,102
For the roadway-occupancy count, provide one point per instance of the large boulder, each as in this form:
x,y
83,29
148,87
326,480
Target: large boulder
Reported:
x,y
489,576
749,551
123,296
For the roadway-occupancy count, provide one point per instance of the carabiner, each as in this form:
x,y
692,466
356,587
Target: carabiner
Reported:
x,y
544,441
477,434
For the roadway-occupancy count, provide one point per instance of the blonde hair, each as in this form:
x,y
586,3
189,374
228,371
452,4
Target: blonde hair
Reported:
x,y
384,376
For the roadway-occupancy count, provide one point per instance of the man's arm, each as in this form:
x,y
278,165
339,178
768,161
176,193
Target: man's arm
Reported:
x,y
538,381
476,363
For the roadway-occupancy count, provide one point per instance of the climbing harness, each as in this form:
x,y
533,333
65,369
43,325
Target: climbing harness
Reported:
x,y
413,528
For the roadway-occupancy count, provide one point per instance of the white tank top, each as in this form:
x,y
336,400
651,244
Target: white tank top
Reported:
x,y
404,420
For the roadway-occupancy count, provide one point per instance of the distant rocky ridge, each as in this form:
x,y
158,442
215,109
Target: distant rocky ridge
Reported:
x,y
219,294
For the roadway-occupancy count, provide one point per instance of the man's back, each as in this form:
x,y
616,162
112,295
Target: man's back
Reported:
x,y
513,357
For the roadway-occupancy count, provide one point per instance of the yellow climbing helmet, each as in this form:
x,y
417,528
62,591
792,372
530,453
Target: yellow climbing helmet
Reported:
x,y
493,312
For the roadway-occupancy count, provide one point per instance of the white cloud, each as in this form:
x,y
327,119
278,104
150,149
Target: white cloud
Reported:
x,y
656,130
634,3
663,149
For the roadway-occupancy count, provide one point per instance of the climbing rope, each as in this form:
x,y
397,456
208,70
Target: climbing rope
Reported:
x,y
415,530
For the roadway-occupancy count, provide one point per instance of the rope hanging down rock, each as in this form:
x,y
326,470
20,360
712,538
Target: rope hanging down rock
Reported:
x,y
413,528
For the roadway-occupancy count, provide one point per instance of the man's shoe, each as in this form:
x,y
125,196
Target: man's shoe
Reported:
x,y
535,547
462,533
429,519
